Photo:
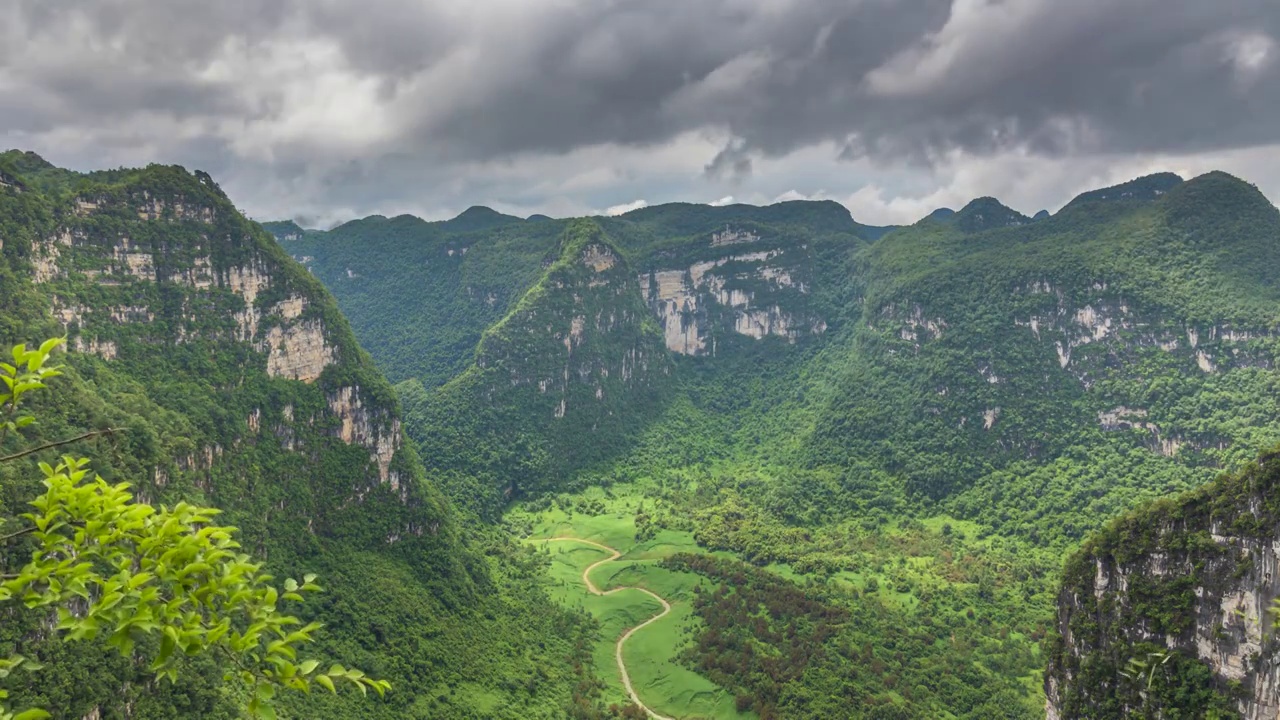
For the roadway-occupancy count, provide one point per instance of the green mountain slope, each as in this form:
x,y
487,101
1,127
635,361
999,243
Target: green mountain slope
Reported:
x,y
238,383
454,278
578,356
923,422
1112,325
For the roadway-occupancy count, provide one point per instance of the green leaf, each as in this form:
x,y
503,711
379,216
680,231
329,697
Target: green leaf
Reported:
x,y
324,681
265,691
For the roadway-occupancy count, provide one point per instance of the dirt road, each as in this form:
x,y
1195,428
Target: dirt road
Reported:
x,y
591,587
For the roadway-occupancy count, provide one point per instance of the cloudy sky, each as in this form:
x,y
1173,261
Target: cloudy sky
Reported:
x,y
325,110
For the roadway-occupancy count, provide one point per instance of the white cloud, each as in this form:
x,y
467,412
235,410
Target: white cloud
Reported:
x,y
791,195
1250,54
615,210
796,195
726,200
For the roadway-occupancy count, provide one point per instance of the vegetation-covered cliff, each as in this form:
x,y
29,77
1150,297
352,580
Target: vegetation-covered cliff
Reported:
x,y
922,422
577,357
234,381
1167,612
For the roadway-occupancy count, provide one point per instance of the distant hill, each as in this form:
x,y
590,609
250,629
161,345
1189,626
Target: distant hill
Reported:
x,y
1149,187
946,409
986,214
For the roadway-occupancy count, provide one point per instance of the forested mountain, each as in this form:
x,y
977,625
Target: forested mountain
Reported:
x,y
233,380
849,460
942,352
911,428
578,356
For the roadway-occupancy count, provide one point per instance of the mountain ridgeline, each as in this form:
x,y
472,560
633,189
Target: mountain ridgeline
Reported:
x,y
873,448
946,352
790,380
233,380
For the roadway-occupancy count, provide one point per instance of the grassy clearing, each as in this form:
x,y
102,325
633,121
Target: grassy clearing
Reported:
x,y
650,655
938,573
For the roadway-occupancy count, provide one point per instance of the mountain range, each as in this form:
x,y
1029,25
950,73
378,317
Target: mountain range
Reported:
x,y
939,470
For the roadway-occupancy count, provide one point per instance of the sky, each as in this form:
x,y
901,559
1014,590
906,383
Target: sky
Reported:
x,y
326,110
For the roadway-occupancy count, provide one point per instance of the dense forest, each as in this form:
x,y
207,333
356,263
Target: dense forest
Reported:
x,y
230,378
847,464
909,427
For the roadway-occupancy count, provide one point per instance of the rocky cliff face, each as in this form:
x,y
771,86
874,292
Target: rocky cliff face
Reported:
x,y
161,264
1176,597
578,356
82,253
745,285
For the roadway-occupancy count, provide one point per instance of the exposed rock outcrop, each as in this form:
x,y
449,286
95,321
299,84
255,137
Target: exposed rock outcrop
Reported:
x,y
298,351
1195,578
1107,317
296,347
374,429
746,293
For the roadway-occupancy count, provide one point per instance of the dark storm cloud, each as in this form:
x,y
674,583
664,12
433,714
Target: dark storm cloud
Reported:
x,y
451,82
780,74
886,78
1143,75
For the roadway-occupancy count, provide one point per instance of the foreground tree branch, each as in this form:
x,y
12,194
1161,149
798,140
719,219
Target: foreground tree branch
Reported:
x,y
59,443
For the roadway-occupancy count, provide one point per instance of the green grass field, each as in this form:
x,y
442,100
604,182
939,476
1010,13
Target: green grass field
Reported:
x,y
661,682
896,567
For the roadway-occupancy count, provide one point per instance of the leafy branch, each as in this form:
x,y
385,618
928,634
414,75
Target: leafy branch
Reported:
x,y
27,372
131,570
58,443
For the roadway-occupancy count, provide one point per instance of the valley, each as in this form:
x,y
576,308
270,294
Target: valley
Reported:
x,y
640,360
690,461
904,432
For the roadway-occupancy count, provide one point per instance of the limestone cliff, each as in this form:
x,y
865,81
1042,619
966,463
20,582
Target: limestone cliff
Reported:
x,y
741,283
560,383
1094,333
158,263
1171,606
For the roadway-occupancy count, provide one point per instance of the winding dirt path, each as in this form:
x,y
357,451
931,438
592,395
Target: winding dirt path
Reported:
x,y
617,651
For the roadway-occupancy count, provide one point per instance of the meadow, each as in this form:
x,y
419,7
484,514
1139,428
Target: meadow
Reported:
x,y
935,585
660,680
